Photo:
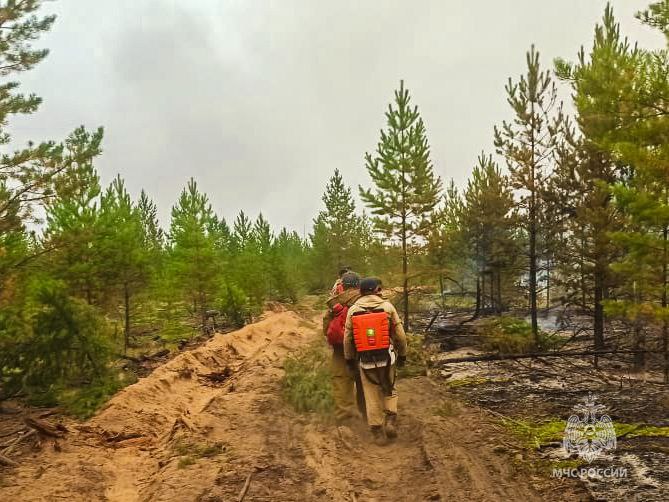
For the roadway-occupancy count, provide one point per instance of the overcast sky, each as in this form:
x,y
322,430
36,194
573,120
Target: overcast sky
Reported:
x,y
260,101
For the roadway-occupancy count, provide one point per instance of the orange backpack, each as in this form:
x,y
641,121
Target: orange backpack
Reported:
x,y
371,330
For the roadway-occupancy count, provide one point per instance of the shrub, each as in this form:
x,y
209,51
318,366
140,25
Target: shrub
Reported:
x,y
234,305
510,335
62,341
416,363
307,384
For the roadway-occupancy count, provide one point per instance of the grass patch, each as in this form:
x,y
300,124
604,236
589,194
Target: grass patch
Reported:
x,y
446,409
536,434
640,430
190,452
468,381
307,383
510,335
185,462
84,400
198,450
416,363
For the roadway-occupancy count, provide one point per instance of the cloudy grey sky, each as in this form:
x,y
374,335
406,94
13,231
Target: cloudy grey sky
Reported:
x,y
260,101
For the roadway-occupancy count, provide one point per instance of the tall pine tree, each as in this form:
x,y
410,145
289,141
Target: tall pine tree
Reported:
x,y
527,144
406,190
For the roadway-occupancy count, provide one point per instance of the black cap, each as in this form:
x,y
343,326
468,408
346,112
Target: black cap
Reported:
x,y
369,285
350,280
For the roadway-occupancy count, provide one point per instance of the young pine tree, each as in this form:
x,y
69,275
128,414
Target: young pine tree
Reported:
x,y
28,174
488,221
406,190
125,260
73,233
192,260
338,236
622,98
527,144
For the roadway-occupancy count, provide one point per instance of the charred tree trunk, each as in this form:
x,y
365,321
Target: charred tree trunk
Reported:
x,y
441,291
581,260
598,324
533,266
126,329
499,292
548,284
405,276
665,325
478,295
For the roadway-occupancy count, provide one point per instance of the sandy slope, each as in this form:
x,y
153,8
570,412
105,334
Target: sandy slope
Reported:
x,y
176,413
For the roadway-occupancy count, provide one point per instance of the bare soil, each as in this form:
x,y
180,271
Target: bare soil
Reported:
x,y
210,425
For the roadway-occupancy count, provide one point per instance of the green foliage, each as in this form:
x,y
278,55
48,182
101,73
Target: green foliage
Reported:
x,y
406,190
63,341
510,335
533,435
83,400
307,383
416,363
340,237
446,409
527,143
192,449
234,304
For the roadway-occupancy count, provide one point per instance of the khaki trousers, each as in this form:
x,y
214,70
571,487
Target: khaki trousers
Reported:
x,y
378,404
342,384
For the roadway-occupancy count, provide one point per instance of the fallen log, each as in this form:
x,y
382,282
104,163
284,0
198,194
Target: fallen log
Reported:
x,y
45,428
7,461
157,355
536,355
245,488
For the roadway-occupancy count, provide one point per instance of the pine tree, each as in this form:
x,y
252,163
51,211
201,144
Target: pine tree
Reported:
x,y
73,232
339,235
527,143
193,265
488,221
31,175
406,190
623,91
153,234
447,241
124,258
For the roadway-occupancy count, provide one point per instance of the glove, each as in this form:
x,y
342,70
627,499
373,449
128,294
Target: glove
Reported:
x,y
350,364
401,360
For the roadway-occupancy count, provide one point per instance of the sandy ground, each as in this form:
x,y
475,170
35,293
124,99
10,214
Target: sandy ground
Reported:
x,y
179,436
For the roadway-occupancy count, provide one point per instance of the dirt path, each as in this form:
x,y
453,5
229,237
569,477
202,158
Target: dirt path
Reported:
x,y
178,435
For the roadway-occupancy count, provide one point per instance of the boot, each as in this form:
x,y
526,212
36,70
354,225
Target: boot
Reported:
x,y
377,435
389,426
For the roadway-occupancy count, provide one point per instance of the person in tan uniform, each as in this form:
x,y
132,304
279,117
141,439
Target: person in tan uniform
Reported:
x,y
338,286
333,329
374,338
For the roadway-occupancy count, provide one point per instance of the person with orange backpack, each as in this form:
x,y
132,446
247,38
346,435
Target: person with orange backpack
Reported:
x,y
374,345
334,323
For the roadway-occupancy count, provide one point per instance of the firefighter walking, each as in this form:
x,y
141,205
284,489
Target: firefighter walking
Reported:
x,y
374,338
333,329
